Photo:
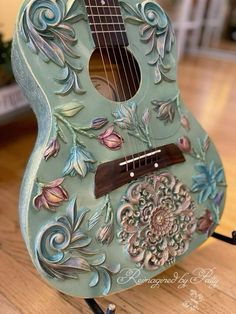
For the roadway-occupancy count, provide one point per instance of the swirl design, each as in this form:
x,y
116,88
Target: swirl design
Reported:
x,y
46,26
154,15
155,31
62,251
157,220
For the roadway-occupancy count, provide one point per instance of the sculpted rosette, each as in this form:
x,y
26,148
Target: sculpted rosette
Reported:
x,y
157,220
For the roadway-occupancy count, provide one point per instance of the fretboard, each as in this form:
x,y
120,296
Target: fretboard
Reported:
x,y
106,23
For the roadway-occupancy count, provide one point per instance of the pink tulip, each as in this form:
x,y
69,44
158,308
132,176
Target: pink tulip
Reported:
x,y
184,144
52,149
111,139
52,195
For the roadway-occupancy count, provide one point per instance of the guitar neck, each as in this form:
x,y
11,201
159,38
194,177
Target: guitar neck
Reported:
x,y
106,23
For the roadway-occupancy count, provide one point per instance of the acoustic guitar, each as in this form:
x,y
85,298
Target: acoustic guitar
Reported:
x,y
123,182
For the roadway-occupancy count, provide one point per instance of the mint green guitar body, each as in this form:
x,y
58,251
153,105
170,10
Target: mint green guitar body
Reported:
x,y
86,246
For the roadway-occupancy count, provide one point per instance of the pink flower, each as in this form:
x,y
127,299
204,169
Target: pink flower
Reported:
x,y
206,223
184,144
51,195
185,122
111,139
52,149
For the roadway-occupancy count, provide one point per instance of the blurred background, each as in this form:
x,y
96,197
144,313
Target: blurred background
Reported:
x,y
203,27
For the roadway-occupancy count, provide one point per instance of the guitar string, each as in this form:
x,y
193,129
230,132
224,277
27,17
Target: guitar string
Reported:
x,y
117,66
121,57
108,54
136,79
120,77
100,50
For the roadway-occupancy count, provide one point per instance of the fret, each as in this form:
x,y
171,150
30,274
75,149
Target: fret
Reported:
x,y
106,39
107,27
105,19
110,11
98,3
118,31
106,23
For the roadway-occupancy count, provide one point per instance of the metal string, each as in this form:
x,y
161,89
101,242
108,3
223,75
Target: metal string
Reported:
x,y
118,71
124,69
108,54
135,80
100,49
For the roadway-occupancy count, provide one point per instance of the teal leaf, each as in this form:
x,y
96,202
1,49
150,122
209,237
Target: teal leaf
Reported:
x,y
219,175
94,279
106,282
94,219
70,109
131,11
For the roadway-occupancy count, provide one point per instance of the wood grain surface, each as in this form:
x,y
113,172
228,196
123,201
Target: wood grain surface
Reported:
x,y
209,89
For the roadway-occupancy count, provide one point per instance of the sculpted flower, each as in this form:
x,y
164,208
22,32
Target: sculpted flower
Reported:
x,y
51,195
111,139
185,122
106,234
125,116
184,144
98,123
157,220
80,162
52,149
165,110
205,183
206,223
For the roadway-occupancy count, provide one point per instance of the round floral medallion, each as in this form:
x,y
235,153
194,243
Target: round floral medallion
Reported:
x,y
157,220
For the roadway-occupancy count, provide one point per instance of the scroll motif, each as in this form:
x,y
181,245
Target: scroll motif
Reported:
x,y
157,220
155,31
46,26
63,251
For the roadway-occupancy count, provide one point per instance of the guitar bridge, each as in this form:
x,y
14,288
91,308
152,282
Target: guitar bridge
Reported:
x,y
114,174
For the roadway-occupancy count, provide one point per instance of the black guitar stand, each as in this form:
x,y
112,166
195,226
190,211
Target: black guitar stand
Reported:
x,y
96,309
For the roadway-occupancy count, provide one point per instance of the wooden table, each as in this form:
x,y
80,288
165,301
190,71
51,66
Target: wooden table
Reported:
x,y
209,89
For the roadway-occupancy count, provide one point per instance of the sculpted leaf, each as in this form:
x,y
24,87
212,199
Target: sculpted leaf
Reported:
x,y
94,280
70,109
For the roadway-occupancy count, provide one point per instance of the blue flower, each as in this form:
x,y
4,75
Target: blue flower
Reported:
x,y
205,183
80,162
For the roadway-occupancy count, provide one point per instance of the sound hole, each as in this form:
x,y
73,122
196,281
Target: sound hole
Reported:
x,y
114,73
